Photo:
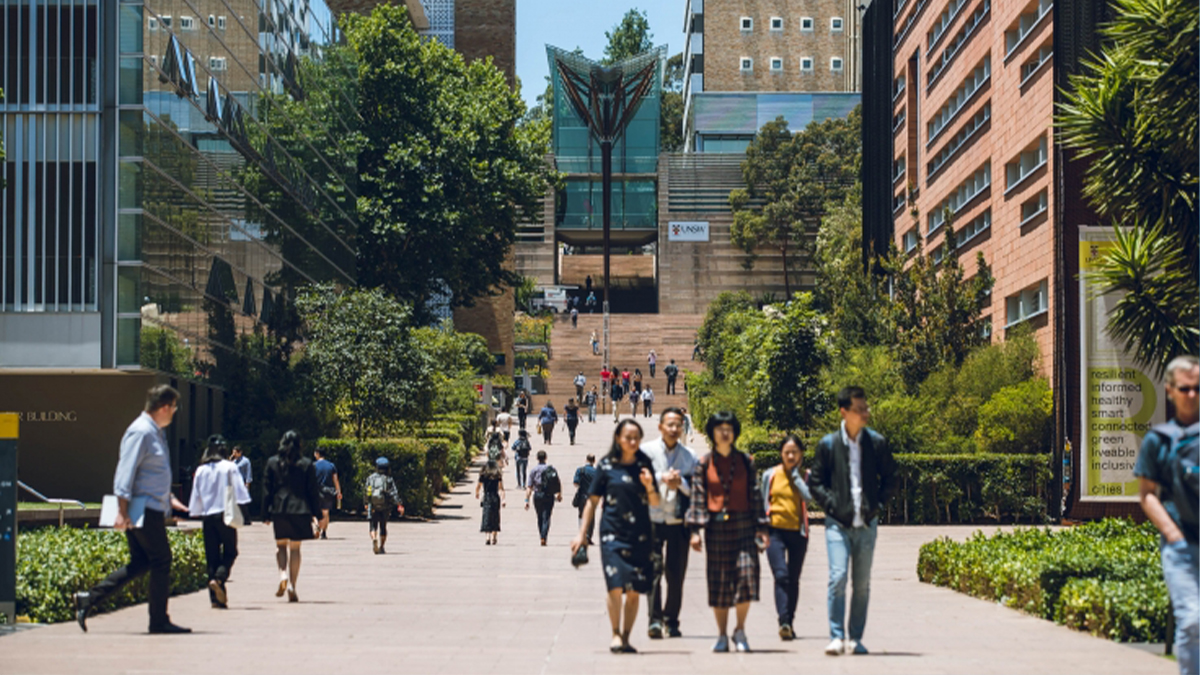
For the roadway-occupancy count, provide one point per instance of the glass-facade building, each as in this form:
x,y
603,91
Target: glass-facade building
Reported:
x,y
174,171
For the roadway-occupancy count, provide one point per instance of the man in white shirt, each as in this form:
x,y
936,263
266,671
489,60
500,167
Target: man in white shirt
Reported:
x,y
580,383
673,466
504,421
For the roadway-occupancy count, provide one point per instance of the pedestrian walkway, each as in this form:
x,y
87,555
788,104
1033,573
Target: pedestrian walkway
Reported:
x,y
441,601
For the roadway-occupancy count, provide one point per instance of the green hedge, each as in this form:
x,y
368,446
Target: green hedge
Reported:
x,y
55,563
959,488
355,461
1104,577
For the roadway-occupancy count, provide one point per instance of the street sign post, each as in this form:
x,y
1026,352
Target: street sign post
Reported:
x,y
8,516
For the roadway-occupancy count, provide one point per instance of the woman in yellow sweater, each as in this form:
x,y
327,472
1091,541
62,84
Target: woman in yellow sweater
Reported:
x,y
785,496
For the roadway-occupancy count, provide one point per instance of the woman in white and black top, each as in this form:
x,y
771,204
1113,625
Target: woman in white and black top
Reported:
x,y
215,475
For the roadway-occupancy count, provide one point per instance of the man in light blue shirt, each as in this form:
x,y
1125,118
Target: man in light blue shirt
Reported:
x,y
673,465
143,472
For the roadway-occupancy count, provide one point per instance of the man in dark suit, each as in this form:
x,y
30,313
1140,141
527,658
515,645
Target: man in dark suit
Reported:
x,y
852,479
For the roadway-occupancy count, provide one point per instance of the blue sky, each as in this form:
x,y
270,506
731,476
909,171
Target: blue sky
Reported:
x,y
582,23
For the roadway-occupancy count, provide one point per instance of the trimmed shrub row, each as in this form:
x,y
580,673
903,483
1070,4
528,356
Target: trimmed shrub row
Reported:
x,y
1103,577
55,563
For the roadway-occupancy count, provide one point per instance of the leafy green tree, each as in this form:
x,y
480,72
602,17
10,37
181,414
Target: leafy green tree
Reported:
x,y
161,349
855,299
711,336
628,38
446,170
458,359
789,391
366,363
671,111
1132,113
1018,418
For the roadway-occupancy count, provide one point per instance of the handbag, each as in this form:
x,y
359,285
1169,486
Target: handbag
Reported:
x,y
580,556
233,512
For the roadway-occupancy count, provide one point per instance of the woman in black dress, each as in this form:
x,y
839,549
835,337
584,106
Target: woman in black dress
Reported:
x,y
625,480
491,484
291,502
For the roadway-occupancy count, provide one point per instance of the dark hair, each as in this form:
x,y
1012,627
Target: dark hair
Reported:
x,y
160,396
541,456
672,410
791,438
289,448
591,459
215,450
846,396
491,471
722,417
615,451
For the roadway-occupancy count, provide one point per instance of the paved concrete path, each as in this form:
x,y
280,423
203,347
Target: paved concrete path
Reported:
x,y
441,601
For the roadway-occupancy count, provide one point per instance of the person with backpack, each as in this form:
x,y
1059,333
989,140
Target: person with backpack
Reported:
x,y
545,488
1168,473
584,476
618,393
382,499
214,478
580,383
521,449
595,344
590,399
546,421
571,417
495,447
672,372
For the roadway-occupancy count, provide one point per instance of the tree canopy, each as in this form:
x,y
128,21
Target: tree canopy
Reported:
x,y
628,38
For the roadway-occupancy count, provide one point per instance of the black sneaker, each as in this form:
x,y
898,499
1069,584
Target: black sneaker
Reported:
x,y
83,603
169,628
656,631
323,536
673,631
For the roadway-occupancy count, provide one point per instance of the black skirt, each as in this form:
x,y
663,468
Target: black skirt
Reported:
x,y
294,527
491,513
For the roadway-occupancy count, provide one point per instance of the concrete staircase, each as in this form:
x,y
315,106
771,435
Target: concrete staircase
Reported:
x,y
671,336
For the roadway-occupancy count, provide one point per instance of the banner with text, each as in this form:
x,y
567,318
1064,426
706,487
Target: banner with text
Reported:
x,y
687,230
1120,400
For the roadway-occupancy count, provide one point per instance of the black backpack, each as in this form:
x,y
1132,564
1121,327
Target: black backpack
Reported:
x,y
551,484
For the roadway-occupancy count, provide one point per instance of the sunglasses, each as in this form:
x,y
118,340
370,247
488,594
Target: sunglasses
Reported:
x,y
1188,390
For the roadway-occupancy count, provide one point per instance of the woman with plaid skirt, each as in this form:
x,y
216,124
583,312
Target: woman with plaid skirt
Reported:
x,y
726,507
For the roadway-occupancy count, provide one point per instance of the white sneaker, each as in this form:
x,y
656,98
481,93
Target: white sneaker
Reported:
x,y
739,641
856,647
835,647
722,644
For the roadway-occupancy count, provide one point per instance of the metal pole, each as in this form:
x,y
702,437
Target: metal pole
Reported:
x,y
606,195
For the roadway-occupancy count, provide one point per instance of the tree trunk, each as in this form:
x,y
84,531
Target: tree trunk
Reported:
x,y
787,285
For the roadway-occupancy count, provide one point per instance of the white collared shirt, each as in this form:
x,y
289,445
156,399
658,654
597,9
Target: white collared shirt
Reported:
x,y
682,459
209,485
855,474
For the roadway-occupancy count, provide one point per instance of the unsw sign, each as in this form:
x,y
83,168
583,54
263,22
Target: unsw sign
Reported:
x,y
687,230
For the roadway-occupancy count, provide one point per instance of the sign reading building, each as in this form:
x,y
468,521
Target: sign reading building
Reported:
x,y
1120,400
687,230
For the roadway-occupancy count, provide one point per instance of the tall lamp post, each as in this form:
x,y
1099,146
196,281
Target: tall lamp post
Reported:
x,y
606,98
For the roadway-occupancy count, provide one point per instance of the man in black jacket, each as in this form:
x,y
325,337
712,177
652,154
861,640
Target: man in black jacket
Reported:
x,y
852,478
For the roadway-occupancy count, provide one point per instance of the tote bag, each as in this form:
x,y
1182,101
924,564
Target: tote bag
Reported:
x,y
233,511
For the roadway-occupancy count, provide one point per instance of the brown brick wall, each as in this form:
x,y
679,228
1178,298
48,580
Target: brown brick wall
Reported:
x,y
484,28
725,43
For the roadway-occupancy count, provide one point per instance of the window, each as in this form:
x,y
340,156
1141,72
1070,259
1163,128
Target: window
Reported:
x,y
165,20
898,202
898,88
835,24
776,23
943,22
960,197
1025,24
1031,159
187,23
958,100
1027,304
776,64
806,64
974,228
1044,54
835,64
911,239
806,24
1034,208
221,23
212,21
940,63
152,23
960,139
898,168
747,64
747,23
216,63
898,120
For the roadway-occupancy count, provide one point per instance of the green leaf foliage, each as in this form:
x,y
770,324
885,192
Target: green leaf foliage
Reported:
x,y
55,563
628,38
1017,418
1103,577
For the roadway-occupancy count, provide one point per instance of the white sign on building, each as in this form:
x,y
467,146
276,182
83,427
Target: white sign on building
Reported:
x,y
687,230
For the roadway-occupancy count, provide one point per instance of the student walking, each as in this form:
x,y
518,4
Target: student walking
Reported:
x,y
625,379
521,449
545,488
580,383
382,499
595,344
605,376
546,421
652,359
571,417
247,471
329,486
625,480
637,380
590,303
674,464
522,409
587,285
575,313
785,495
635,402
1167,483
495,446
214,478
491,485
291,504
647,401
590,399
726,507
852,478
618,394
504,424
143,476
672,372
582,481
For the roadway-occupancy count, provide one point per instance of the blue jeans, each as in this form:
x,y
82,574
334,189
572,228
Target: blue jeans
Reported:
x,y
522,471
592,412
1180,570
786,557
850,550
